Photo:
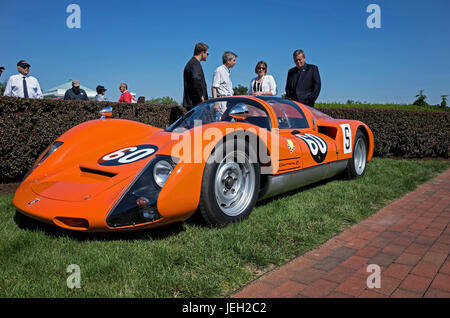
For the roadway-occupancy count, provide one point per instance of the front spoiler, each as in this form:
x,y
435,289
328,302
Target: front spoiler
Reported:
x,y
94,211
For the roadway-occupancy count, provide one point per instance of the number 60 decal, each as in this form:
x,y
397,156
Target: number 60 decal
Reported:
x,y
127,155
317,146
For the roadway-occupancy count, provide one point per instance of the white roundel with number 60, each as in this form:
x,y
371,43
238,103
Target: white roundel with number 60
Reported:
x,y
127,155
118,154
317,146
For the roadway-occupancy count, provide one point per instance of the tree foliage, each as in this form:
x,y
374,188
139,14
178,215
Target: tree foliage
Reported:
x,y
444,101
240,90
166,100
2,88
420,101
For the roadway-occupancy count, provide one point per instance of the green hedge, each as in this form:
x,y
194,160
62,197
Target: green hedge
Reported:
x,y
28,126
384,106
403,133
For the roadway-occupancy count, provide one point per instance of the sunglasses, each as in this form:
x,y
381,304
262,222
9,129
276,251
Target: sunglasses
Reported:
x,y
261,68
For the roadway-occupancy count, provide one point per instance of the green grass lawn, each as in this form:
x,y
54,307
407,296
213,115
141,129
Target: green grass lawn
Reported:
x,y
190,259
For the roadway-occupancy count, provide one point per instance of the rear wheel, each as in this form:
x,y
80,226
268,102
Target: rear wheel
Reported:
x,y
230,184
357,164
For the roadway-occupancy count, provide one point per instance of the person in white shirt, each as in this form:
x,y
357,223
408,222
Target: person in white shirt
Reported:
x,y
23,85
222,85
263,84
100,97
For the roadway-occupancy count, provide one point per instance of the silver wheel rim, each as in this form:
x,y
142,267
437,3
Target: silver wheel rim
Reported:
x,y
360,156
234,183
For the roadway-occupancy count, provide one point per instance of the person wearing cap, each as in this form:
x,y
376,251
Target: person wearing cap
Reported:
x,y
75,93
100,97
23,85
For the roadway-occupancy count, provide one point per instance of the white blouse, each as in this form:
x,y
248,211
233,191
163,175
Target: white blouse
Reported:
x,y
267,85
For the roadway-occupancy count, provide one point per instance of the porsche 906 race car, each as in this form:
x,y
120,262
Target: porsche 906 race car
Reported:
x,y
219,159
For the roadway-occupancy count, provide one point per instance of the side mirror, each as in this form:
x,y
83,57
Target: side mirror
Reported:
x,y
240,111
106,112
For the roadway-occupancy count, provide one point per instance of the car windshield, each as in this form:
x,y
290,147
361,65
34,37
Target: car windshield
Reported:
x,y
218,110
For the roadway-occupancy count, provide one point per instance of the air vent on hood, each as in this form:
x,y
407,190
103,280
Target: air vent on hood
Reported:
x,y
96,174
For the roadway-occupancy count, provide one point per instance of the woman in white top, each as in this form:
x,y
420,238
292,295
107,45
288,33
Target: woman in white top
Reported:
x,y
262,84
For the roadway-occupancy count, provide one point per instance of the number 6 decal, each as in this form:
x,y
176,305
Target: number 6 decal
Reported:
x,y
127,155
346,138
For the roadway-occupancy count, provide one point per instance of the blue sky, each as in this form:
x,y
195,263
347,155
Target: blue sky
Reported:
x,y
147,43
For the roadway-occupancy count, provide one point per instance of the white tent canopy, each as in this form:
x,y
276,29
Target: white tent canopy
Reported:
x,y
59,91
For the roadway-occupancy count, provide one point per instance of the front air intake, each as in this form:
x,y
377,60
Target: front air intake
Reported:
x,y
95,173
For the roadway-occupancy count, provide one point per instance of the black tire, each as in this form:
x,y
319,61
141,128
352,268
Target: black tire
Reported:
x,y
222,173
356,166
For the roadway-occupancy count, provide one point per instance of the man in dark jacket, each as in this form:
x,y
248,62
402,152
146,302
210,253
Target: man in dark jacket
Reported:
x,y
303,81
195,91
75,93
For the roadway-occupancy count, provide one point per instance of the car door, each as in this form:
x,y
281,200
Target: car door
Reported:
x,y
311,147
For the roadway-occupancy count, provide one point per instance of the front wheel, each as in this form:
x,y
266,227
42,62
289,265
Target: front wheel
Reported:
x,y
230,184
357,164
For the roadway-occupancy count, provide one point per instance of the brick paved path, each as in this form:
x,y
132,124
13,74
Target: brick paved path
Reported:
x,y
409,240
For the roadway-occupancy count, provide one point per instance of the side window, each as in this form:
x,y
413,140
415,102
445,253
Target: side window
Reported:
x,y
258,117
289,116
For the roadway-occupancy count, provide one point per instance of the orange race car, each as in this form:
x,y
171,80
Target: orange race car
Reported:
x,y
219,158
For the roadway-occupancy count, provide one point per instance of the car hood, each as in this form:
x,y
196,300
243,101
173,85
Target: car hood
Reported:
x,y
88,161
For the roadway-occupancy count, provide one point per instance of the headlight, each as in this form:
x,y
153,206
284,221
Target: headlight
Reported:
x,y
138,204
162,171
50,149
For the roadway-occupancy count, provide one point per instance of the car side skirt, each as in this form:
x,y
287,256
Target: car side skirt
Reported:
x,y
277,184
